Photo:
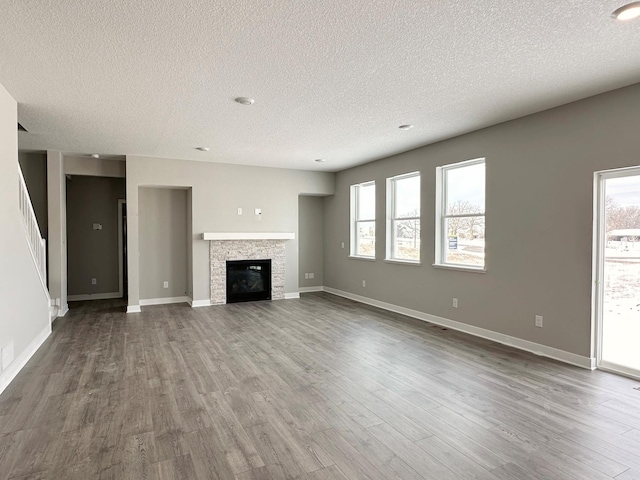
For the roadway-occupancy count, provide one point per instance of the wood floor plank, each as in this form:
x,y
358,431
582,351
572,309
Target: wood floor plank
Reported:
x,y
352,463
240,452
629,475
178,468
317,388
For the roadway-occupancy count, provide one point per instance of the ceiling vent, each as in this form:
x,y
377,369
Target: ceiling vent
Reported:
x,y
21,128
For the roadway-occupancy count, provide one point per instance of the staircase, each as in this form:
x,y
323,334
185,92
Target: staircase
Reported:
x,y
37,244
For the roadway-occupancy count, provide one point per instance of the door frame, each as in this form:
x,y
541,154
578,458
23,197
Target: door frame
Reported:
x,y
599,242
121,202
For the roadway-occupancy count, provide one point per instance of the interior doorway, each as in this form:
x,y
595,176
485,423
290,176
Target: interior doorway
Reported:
x,y
617,267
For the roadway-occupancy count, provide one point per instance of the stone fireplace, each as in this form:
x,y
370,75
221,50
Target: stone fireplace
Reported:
x,y
225,247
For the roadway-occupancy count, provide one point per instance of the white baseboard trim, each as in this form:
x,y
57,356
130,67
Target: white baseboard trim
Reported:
x,y
62,311
18,363
292,295
94,296
163,301
311,289
133,309
200,303
532,347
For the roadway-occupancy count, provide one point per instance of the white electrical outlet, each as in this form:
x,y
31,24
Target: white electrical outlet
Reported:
x,y
94,281
454,303
7,355
539,321
306,276
364,283
239,211
342,245
312,275
258,211
165,285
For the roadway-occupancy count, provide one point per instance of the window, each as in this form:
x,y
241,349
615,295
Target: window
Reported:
x,y
363,220
403,217
460,214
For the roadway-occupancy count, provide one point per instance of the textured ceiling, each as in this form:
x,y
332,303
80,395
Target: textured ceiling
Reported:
x,y
332,79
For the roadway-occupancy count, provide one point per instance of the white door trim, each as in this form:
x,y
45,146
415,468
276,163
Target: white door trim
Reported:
x,y
121,202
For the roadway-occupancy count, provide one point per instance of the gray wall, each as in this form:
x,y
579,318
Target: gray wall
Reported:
x,y
311,243
539,208
217,192
93,253
163,225
95,167
24,308
57,225
34,171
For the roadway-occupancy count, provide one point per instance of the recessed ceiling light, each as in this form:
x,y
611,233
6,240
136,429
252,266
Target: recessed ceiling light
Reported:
x,y
405,127
203,149
95,155
627,12
245,100
320,160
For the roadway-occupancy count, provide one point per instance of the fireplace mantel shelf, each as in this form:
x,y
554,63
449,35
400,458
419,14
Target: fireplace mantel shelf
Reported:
x,y
248,236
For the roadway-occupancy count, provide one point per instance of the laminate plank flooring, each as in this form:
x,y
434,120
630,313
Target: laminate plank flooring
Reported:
x,y
320,388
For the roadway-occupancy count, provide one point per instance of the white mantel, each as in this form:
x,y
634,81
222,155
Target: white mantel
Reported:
x,y
248,236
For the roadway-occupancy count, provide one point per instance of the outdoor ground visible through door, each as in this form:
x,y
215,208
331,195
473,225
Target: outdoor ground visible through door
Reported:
x,y
621,300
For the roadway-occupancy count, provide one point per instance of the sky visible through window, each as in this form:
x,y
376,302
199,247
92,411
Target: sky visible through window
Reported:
x,y
408,197
466,184
367,202
624,190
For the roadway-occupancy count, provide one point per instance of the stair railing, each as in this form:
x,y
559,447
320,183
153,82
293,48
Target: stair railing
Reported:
x,y
37,244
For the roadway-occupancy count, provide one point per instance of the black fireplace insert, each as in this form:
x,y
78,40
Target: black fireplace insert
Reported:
x,y
248,280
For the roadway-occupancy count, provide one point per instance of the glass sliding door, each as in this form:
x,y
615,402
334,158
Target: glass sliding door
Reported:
x,y
618,303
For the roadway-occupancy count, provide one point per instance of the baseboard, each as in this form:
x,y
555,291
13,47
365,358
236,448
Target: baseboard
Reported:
x,y
290,296
310,289
133,309
163,301
18,363
200,303
94,296
532,347
63,310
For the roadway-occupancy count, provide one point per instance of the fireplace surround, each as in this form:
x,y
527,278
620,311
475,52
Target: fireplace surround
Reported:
x,y
224,247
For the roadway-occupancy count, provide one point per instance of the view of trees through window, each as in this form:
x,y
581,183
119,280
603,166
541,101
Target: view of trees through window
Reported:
x,y
621,275
463,216
363,237
404,215
465,234
619,217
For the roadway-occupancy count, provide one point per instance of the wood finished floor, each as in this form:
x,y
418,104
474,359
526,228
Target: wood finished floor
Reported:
x,y
319,388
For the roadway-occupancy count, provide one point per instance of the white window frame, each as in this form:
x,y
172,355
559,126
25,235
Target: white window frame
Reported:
x,y
441,217
354,220
392,219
